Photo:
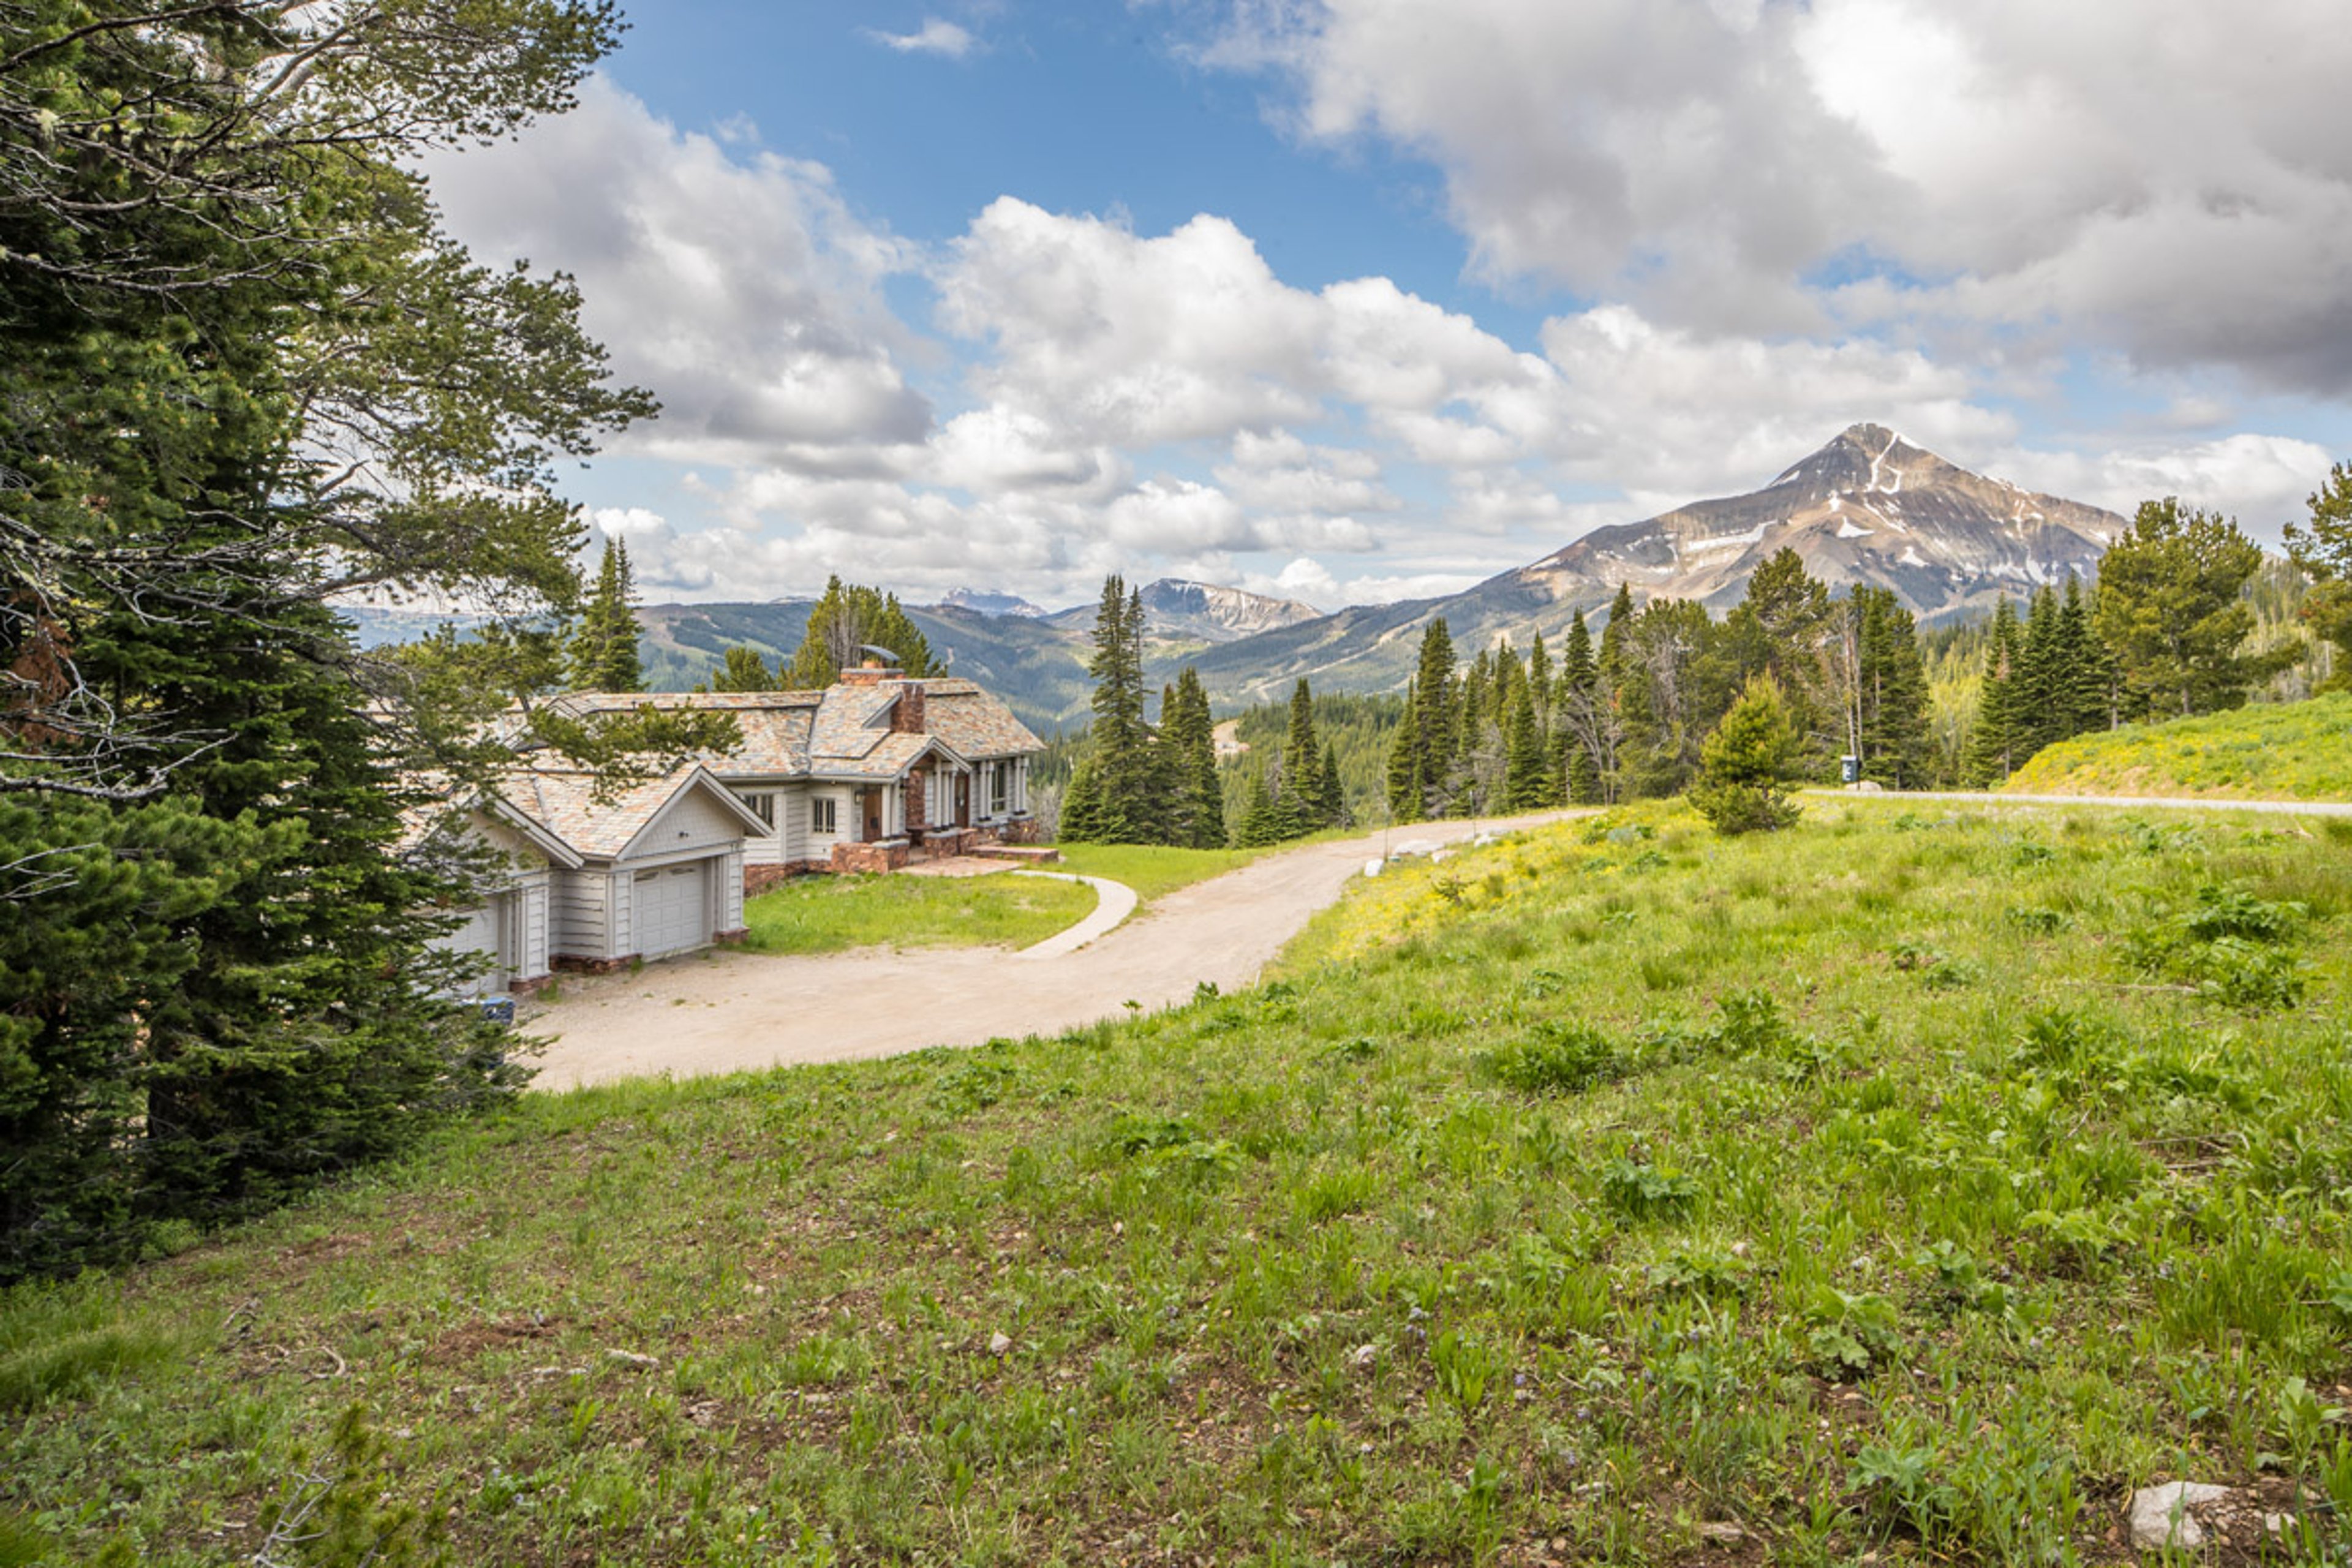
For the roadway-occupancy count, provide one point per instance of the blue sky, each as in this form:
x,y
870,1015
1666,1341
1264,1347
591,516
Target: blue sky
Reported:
x,y
1357,299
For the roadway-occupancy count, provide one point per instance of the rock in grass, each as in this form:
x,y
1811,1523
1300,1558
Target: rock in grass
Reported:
x,y
2160,1516
999,1343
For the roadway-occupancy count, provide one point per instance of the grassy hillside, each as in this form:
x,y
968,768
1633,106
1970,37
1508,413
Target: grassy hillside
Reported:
x,y
1911,1185
2279,751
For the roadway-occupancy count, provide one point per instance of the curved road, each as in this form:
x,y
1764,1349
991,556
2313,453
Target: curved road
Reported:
x,y
739,1010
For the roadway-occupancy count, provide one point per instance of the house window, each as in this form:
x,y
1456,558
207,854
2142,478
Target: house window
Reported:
x,y
763,806
1000,788
825,815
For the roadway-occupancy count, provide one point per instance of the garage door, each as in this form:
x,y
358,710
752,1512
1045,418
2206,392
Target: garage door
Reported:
x,y
671,913
480,938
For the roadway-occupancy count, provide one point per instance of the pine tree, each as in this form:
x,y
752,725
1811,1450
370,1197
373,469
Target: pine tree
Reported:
x,y
2171,607
743,670
1897,751
2087,697
1540,676
1437,715
1332,799
605,645
2323,551
1576,666
1992,741
1197,811
1585,717
1082,807
843,623
1261,821
1746,761
1408,795
221,264
1133,808
1526,782
2039,686
1302,792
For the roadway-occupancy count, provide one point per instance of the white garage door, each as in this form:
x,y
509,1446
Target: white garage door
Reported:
x,y
671,913
480,937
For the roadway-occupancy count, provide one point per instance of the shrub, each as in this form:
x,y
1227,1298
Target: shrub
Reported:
x,y
1745,765
1557,1059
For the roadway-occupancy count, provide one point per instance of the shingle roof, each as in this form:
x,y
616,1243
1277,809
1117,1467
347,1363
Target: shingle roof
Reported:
x,y
975,723
890,756
565,803
850,722
838,732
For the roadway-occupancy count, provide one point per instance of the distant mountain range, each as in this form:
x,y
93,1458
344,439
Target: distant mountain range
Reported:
x,y
1177,611
1867,508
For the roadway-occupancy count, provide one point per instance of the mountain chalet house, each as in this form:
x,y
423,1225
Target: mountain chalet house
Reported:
x,y
861,776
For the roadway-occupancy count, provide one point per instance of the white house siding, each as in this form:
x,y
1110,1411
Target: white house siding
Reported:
x,y
583,904
530,947
693,821
730,891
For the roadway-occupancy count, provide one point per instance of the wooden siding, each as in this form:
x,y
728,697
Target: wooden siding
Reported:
x,y
692,821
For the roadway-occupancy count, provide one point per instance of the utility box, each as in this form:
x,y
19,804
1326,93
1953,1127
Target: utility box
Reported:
x,y
1852,767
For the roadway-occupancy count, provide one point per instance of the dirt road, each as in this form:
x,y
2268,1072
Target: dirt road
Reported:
x,y
737,1010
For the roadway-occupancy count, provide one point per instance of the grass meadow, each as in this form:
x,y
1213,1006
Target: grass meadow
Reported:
x,y
2267,751
1905,1186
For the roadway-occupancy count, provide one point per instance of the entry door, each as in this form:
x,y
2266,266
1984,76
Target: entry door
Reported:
x,y
671,913
963,800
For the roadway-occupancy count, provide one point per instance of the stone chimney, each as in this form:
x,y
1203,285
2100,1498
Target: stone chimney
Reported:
x,y
907,718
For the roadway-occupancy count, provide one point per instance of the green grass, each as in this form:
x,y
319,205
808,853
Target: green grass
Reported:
x,y
1154,870
1910,1185
2279,751
834,914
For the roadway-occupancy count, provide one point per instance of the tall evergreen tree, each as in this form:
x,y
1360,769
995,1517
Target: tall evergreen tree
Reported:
x,y
1897,750
846,620
1331,803
2171,607
1992,751
1527,782
1405,784
1436,715
2323,550
1123,762
605,644
1197,814
1302,757
1540,676
2040,682
218,264
2087,695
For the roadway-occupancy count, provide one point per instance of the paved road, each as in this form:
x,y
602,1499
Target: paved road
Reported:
x,y
2135,802
739,1010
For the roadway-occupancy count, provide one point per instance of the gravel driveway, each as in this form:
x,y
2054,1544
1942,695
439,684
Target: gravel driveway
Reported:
x,y
734,1010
